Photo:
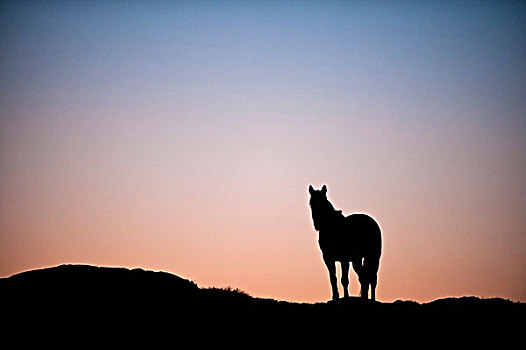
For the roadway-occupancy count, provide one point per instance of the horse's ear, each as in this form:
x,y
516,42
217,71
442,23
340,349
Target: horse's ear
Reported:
x,y
324,189
311,190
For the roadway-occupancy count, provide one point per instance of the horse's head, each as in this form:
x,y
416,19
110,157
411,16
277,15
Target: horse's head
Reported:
x,y
317,196
320,206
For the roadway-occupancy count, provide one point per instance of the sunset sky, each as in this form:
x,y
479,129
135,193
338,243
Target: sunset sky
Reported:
x,y
182,136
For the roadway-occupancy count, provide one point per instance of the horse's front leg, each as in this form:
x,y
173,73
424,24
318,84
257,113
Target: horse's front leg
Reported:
x,y
345,278
331,266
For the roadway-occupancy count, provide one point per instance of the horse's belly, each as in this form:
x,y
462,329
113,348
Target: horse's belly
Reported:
x,y
338,249
347,246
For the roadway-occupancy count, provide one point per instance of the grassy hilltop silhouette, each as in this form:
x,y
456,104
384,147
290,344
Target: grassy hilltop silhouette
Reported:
x,y
120,298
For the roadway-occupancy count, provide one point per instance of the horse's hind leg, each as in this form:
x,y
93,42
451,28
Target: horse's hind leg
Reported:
x,y
373,289
371,271
365,287
360,271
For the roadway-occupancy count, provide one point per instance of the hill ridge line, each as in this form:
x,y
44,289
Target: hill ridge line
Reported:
x,y
233,290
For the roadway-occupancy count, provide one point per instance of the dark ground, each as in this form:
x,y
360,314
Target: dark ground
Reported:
x,y
100,305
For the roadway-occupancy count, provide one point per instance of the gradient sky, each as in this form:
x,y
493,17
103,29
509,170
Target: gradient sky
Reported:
x,y
182,136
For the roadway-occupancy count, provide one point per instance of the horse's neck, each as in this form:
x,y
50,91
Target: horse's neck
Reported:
x,y
330,215
331,212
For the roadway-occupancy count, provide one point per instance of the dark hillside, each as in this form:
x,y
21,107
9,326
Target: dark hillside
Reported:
x,y
79,298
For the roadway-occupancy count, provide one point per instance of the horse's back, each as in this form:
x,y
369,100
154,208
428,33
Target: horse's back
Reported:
x,y
366,234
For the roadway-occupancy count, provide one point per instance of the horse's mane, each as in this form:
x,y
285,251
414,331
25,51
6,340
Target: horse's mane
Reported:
x,y
324,214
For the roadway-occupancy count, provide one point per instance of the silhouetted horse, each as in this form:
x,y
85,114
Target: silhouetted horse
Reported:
x,y
355,238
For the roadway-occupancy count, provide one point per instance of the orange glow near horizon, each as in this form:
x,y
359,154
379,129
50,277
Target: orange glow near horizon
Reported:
x,y
183,138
